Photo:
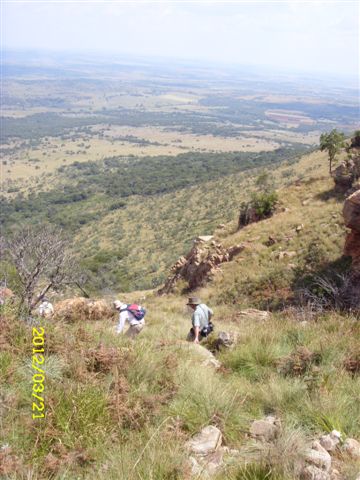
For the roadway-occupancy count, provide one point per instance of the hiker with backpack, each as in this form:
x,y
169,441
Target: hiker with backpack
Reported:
x,y
46,309
132,313
200,319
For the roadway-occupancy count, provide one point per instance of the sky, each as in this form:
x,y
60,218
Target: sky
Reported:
x,y
308,36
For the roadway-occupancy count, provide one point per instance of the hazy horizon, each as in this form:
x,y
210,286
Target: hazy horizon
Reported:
x,y
63,59
294,37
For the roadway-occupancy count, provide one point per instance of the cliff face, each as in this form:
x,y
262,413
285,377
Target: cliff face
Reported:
x,y
351,214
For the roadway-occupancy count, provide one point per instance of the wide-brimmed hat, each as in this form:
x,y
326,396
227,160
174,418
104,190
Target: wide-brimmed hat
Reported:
x,y
117,304
194,301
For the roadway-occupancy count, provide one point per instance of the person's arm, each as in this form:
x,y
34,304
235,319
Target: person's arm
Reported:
x,y
121,324
196,325
197,332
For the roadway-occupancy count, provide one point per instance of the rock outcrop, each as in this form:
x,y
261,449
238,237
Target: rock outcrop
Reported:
x,y
349,170
351,214
343,176
322,459
207,456
200,264
254,315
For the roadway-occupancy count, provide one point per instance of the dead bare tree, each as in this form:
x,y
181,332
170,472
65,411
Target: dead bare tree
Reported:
x,y
331,292
43,261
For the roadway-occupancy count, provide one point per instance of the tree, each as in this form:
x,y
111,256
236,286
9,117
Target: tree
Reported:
x,y
332,142
43,262
355,141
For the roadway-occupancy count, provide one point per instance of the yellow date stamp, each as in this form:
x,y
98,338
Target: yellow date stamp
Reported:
x,y
38,378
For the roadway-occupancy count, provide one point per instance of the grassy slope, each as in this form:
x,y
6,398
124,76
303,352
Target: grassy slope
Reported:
x,y
131,417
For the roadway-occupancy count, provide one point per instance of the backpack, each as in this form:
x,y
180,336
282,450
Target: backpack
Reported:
x,y
137,311
207,330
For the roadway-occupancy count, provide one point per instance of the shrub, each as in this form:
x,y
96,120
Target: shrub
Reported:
x,y
117,205
299,362
328,292
262,205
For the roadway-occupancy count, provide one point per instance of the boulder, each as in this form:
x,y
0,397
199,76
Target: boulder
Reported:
x,y
330,441
352,448
284,254
205,442
336,475
195,468
310,472
253,314
204,238
206,457
266,429
5,294
270,241
344,176
248,214
206,358
207,466
318,457
225,340
351,211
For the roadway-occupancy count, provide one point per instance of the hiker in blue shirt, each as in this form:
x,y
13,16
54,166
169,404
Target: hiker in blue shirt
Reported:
x,y
200,319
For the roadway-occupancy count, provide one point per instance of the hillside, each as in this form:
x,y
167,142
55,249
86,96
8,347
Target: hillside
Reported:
x,y
131,218
122,409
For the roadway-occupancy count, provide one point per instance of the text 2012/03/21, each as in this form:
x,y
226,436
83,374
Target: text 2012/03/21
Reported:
x,y
38,377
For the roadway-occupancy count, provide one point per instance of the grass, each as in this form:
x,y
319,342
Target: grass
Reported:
x,y
123,409
153,393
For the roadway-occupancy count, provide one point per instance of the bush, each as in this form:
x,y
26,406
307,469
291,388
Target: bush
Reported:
x,y
117,205
262,205
327,292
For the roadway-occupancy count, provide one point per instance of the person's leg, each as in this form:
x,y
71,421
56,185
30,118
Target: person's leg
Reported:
x,y
134,330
